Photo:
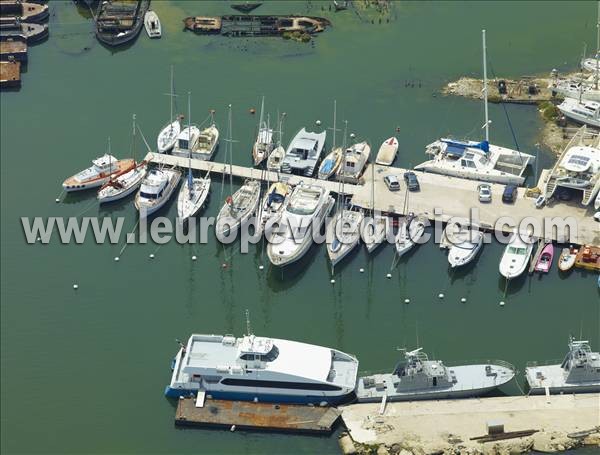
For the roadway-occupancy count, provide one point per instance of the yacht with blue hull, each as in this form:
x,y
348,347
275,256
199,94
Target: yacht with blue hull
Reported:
x,y
262,369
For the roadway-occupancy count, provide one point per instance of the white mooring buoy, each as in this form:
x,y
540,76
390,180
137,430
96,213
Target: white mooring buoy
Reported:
x,y
75,286
151,256
318,122
406,300
361,270
388,276
194,258
440,295
463,300
332,281
57,200
116,258
260,267
502,303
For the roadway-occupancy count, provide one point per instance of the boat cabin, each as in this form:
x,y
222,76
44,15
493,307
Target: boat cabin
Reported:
x,y
581,364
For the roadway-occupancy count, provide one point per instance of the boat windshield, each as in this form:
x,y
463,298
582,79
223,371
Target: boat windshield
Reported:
x,y
517,250
148,195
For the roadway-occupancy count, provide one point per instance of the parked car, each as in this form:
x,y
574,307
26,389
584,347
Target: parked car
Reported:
x,y
510,194
485,192
392,182
540,201
411,181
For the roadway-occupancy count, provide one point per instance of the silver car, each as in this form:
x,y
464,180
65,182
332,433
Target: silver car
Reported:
x,y
485,192
392,182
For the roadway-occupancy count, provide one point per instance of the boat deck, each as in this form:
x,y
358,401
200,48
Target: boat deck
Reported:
x,y
247,415
15,48
451,196
588,257
10,74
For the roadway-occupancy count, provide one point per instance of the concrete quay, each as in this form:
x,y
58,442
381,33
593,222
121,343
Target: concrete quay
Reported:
x,y
444,427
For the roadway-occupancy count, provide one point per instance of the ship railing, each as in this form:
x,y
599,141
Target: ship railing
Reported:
x,y
497,362
535,363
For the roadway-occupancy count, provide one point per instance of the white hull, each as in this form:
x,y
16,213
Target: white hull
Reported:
x,y
387,152
86,185
130,181
275,159
338,249
409,237
515,258
147,207
587,113
463,173
379,234
244,202
152,24
168,137
463,253
188,206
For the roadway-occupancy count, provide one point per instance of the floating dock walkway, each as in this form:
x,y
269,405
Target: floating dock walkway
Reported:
x,y
247,415
440,198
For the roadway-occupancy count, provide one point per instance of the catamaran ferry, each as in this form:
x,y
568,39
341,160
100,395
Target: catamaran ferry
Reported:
x,y
262,369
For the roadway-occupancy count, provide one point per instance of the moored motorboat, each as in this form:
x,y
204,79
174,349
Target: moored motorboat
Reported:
x,y
98,174
354,160
416,377
465,249
305,211
516,256
586,112
119,22
262,369
544,262
387,152
152,24
156,189
567,257
238,208
303,152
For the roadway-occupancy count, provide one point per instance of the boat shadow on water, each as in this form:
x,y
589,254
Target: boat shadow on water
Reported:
x,y
283,278
514,285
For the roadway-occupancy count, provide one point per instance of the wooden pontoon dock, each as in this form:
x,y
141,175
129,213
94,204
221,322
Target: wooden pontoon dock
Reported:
x,y
455,197
247,415
13,49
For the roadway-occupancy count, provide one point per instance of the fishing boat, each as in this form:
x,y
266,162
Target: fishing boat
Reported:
x,y
516,256
238,208
24,11
264,140
579,372
411,230
245,7
303,153
345,227
465,248
567,257
194,191
387,152
354,160
305,211
122,185
586,112
477,160
272,205
262,369
98,174
156,189
416,377
544,262
152,24
278,154
119,22
23,31
167,138
332,161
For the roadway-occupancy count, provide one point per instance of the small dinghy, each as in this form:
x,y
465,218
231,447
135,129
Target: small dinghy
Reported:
x,y
410,233
330,164
567,258
387,152
544,262
238,208
122,185
152,24
101,171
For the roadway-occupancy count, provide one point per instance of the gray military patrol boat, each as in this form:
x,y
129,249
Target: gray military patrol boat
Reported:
x,y
579,372
418,378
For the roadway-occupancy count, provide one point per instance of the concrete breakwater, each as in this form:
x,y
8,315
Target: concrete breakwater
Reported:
x,y
551,424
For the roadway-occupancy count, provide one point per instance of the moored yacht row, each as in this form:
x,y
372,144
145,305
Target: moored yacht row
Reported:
x,y
264,369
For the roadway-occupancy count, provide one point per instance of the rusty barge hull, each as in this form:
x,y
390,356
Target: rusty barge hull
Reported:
x,y
255,25
247,415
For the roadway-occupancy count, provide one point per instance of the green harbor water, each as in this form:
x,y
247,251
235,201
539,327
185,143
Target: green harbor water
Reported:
x,y
84,371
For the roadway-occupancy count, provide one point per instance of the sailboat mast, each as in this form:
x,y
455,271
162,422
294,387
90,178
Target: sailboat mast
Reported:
x,y
485,89
171,95
190,180
133,140
334,120
597,47
230,153
262,107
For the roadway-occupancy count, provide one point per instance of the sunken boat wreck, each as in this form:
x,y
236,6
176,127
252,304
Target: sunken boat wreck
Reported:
x,y
120,22
254,25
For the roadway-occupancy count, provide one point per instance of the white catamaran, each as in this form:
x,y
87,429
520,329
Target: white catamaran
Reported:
x,y
477,160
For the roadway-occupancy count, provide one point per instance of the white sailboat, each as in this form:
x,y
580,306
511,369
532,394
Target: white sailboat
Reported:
x,y
387,152
126,183
516,256
194,191
586,112
278,154
242,204
152,24
346,234
168,134
410,232
272,204
477,160
264,140
592,64
332,161
376,228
